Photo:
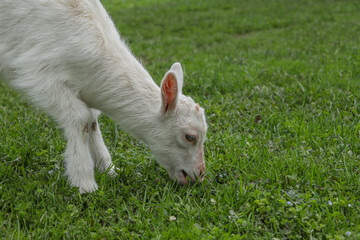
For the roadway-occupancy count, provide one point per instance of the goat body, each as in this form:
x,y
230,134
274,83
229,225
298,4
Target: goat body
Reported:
x,y
67,57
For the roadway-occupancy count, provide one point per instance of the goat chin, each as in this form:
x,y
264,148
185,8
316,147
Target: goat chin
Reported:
x,y
67,58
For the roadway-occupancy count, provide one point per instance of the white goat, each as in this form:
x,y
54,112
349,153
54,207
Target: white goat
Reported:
x,y
67,57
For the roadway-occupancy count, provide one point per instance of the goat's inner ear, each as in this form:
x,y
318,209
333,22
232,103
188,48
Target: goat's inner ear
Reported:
x,y
169,92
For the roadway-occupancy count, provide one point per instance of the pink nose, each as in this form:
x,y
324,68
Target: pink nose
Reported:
x,y
202,165
202,172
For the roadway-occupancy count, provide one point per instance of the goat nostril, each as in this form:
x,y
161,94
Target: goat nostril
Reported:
x,y
184,173
185,177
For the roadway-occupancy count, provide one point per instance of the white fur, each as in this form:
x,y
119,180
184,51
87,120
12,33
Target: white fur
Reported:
x,y
67,57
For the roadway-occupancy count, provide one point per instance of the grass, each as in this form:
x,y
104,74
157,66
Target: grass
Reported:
x,y
279,80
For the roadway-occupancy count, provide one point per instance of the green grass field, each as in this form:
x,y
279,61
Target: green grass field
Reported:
x,y
279,80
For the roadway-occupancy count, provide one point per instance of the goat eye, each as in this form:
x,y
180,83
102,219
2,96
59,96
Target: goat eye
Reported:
x,y
190,138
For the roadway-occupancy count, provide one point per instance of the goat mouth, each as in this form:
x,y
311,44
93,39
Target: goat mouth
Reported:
x,y
185,176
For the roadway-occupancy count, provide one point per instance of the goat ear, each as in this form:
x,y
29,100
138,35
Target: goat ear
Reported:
x,y
169,91
176,67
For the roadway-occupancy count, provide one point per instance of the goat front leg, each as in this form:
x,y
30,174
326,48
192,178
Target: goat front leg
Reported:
x,y
98,150
78,160
73,115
